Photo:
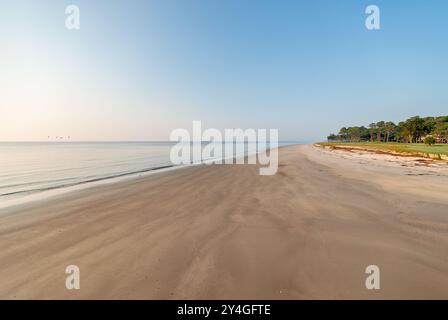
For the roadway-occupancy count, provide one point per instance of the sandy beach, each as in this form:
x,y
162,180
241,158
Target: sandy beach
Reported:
x,y
225,232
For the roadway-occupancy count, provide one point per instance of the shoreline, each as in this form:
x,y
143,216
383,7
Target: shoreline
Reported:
x,y
42,195
225,232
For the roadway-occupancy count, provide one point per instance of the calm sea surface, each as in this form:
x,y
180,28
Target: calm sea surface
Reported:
x,y
28,168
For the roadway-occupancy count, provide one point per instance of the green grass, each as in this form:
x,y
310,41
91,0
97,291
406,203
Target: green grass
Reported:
x,y
394,146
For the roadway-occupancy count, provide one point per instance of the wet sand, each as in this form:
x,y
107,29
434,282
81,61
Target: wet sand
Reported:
x,y
225,232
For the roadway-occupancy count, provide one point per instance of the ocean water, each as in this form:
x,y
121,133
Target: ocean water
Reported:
x,y
30,169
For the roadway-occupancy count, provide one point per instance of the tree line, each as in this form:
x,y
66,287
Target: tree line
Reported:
x,y
413,130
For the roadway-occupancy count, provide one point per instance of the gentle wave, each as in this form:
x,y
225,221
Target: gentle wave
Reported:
x,y
28,191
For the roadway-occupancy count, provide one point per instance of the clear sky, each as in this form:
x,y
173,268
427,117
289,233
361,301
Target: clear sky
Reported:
x,y
136,70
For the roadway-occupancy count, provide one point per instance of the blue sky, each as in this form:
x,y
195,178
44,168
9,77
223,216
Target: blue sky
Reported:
x,y
136,70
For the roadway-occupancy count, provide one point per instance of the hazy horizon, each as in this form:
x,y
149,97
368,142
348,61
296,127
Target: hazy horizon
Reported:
x,y
135,72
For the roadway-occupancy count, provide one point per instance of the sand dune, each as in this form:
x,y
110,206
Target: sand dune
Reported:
x,y
225,232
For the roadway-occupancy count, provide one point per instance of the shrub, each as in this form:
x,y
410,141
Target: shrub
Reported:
x,y
430,140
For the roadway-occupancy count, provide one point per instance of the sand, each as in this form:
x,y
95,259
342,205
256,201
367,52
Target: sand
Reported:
x,y
225,232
